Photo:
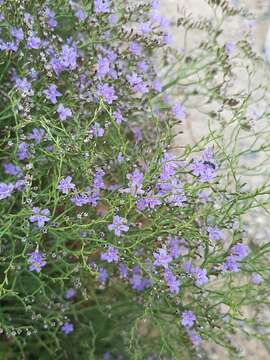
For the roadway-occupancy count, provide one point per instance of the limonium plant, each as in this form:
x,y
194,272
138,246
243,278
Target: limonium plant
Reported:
x,y
117,242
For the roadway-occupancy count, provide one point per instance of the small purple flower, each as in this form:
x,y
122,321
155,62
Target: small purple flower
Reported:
x,y
33,42
156,84
188,267
98,131
23,85
118,225
37,135
98,182
256,279
36,261
135,48
23,152
230,264
145,28
50,18
111,255
135,183
11,169
52,93
40,216
68,57
162,258
123,271
201,276
107,92
188,319
6,190
102,6
178,111
63,112
80,14
204,170
240,251
230,47
214,233
67,328
65,185
172,281
139,282
103,275
20,185
118,117
194,337
103,67
17,33
70,294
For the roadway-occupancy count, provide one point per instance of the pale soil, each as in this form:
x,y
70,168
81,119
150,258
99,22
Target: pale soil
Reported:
x,y
194,127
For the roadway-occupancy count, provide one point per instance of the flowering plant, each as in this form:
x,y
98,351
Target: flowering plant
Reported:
x,y
115,244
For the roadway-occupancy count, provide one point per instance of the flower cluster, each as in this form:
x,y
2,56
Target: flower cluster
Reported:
x,y
131,230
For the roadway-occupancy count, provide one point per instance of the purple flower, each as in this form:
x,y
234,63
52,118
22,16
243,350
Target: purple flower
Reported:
x,y
135,48
80,14
139,282
52,93
188,319
177,247
123,271
230,47
37,135
11,169
65,185
194,337
41,217
145,28
33,42
5,190
230,264
162,258
204,170
188,267
172,281
118,117
178,111
214,233
67,328
118,225
36,261
201,276
135,183
63,112
68,57
103,67
17,33
23,152
107,92
111,255
20,184
23,85
98,131
148,202
256,278
98,182
102,6
70,293
156,84
103,275
50,16
240,251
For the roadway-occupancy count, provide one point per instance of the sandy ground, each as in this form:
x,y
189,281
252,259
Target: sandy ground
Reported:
x,y
193,129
